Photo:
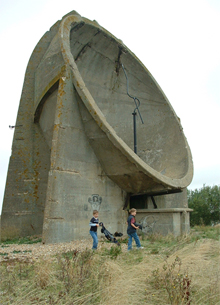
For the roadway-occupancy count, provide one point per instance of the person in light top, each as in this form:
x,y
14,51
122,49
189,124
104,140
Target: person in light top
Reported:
x,y
94,224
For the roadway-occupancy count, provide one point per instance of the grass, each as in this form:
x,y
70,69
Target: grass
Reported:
x,y
169,270
21,240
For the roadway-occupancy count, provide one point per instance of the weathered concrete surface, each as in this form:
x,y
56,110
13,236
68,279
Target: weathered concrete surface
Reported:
x,y
73,150
171,215
164,159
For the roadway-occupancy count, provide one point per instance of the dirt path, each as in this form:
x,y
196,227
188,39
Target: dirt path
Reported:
x,y
33,252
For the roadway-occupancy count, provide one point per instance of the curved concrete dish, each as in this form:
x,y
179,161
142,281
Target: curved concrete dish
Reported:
x,y
163,162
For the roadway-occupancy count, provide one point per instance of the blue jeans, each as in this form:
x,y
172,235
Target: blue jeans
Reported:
x,y
136,238
95,239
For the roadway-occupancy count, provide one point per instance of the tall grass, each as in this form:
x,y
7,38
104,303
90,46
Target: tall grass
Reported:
x,y
169,270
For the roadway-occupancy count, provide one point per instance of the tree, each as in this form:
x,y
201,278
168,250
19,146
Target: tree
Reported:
x,y
205,203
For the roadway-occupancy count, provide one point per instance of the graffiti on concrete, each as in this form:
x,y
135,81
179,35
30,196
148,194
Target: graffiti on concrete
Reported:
x,y
95,201
148,224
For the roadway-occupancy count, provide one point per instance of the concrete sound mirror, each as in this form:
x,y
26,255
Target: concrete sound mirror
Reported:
x,y
74,147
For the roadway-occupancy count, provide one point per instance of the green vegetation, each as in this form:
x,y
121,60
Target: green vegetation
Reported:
x,y
169,270
205,203
173,281
22,240
113,252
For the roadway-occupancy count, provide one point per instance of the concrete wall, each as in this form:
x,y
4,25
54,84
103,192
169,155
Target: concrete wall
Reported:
x,y
26,184
75,176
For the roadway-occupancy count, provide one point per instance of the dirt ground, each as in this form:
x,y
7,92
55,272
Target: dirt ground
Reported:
x,y
33,252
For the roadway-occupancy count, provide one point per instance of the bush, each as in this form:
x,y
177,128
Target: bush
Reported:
x,y
175,282
205,203
113,252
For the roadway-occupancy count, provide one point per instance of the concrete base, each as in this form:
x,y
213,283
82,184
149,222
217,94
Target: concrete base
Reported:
x,y
165,221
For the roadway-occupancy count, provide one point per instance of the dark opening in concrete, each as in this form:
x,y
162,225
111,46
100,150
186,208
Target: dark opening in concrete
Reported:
x,y
139,201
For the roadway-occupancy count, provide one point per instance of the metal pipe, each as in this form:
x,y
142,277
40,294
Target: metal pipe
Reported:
x,y
135,132
137,104
133,97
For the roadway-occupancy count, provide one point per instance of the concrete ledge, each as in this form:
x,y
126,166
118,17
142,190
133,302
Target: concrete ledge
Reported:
x,y
169,210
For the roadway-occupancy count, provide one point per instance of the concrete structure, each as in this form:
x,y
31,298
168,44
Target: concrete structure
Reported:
x,y
73,145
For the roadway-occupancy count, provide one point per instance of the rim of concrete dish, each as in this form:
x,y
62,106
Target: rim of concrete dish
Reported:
x,y
67,24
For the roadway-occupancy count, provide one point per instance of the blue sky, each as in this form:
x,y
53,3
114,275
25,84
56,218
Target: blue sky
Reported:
x,y
178,41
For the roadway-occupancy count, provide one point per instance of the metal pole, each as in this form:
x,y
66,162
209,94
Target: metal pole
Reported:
x,y
135,132
137,104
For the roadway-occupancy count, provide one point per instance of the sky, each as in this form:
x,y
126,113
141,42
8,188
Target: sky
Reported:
x,y
177,40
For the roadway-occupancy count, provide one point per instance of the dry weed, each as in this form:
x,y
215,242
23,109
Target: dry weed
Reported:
x,y
43,273
84,277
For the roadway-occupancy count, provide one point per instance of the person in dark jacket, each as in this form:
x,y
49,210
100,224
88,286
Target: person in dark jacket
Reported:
x,y
131,230
94,224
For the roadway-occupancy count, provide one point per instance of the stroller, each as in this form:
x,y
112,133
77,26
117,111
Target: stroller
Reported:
x,y
109,235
